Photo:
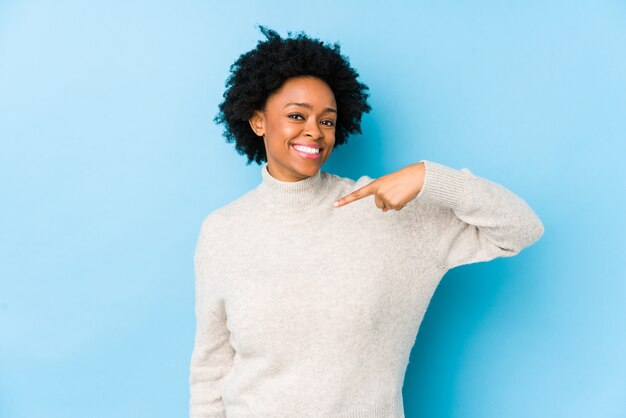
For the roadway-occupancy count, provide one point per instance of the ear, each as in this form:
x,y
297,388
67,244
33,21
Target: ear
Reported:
x,y
257,123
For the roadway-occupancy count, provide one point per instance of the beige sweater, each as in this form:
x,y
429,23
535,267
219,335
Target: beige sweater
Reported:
x,y
306,310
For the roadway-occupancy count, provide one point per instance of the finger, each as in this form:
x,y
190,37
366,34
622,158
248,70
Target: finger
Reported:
x,y
379,202
356,195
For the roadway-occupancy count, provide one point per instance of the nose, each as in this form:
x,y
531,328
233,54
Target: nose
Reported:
x,y
312,129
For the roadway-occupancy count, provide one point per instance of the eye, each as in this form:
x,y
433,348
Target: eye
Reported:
x,y
294,114
330,122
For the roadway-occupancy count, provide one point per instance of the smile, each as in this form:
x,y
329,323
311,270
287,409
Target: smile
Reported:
x,y
307,152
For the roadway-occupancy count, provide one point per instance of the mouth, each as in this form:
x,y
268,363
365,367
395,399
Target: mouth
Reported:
x,y
308,153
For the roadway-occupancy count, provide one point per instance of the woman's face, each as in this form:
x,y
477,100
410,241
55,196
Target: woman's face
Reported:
x,y
303,111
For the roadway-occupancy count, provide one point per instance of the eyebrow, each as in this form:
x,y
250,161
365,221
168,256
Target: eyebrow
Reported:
x,y
308,106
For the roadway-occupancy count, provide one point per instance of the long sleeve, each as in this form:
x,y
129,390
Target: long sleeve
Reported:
x,y
212,355
470,219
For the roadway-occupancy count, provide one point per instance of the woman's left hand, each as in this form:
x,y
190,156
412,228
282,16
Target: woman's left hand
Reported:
x,y
392,191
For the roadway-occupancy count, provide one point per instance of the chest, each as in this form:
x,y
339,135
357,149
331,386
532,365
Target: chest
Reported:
x,y
316,281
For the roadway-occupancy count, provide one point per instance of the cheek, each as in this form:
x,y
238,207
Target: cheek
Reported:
x,y
281,138
289,130
283,128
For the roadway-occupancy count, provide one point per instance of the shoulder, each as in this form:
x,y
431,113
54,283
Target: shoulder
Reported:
x,y
223,218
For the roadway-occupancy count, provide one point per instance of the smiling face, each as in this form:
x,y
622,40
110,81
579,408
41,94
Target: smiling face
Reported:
x,y
303,111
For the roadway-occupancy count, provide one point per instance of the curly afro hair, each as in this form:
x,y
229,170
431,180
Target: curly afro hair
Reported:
x,y
256,74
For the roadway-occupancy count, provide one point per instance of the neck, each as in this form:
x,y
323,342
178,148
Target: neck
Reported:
x,y
293,195
280,178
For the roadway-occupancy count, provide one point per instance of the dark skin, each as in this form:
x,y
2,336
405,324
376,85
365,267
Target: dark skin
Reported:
x,y
391,191
304,110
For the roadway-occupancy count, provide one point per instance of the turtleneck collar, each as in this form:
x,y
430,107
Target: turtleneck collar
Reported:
x,y
294,195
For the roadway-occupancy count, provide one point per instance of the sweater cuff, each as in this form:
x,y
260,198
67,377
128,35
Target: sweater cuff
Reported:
x,y
443,185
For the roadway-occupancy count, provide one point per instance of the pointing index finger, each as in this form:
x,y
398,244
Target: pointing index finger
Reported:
x,y
355,195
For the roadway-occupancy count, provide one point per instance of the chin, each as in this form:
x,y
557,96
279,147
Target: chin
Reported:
x,y
308,171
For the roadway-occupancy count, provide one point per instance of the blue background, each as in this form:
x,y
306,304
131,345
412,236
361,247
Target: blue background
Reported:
x,y
110,160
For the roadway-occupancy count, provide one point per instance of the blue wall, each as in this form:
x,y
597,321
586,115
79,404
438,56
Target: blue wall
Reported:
x,y
109,161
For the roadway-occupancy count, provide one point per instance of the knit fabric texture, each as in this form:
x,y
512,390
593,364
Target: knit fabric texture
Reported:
x,y
307,310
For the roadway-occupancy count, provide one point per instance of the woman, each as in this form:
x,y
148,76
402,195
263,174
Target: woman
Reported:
x,y
310,288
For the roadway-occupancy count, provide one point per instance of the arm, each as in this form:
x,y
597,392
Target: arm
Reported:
x,y
470,219
212,354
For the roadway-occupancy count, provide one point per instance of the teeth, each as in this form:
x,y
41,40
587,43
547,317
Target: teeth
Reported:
x,y
307,149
